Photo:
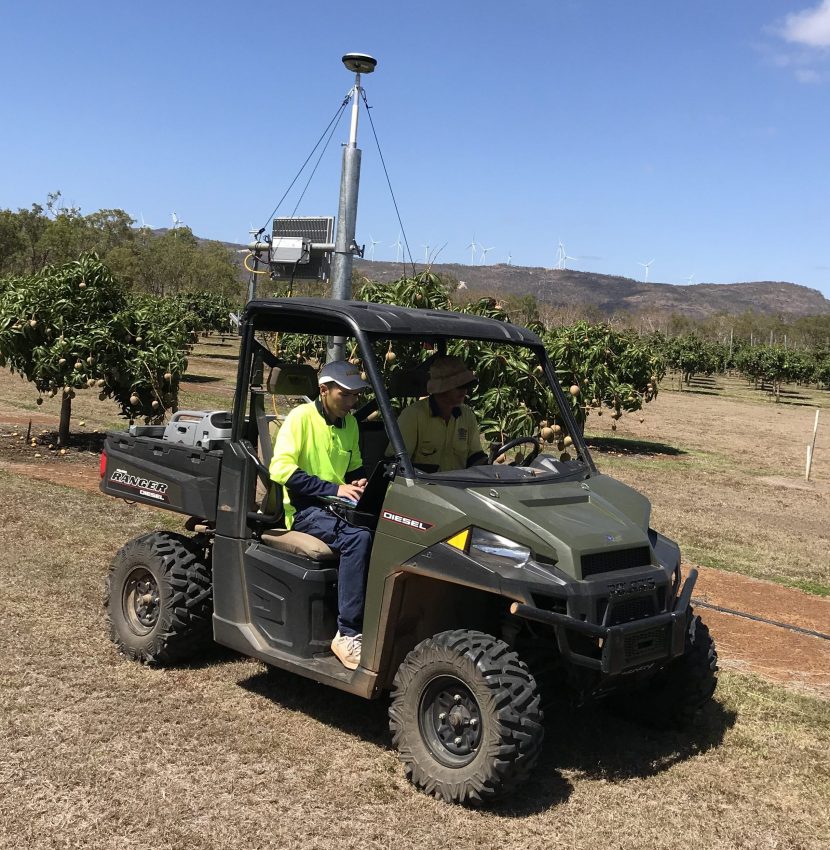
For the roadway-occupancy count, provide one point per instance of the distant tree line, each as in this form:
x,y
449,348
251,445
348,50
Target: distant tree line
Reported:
x,y
170,263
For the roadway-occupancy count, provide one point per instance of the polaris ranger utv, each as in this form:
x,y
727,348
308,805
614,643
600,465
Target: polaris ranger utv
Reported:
x,y
480,580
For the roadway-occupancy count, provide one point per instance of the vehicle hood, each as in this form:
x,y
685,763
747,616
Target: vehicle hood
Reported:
x,y
566,519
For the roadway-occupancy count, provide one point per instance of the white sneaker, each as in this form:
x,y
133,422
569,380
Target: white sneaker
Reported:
x,y
347,649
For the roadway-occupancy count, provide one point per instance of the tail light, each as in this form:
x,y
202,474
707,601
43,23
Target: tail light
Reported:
x,y
102,467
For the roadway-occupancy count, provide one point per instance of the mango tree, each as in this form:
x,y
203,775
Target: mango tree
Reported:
x,y
601,367
74,327
775,365
821,368
690,355
596,365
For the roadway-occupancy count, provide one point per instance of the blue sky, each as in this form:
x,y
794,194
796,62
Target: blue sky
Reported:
x,y
691,133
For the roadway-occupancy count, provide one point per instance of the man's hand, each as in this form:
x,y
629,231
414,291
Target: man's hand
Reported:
x,y
352,491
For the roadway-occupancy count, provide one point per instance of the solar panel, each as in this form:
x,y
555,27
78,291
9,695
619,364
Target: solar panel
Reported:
x,y
318,230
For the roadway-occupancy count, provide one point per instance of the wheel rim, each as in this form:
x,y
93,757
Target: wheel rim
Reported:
x,y
450,721
140,601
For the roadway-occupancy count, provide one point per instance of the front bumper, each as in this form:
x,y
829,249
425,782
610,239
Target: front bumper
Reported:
x,y
627,647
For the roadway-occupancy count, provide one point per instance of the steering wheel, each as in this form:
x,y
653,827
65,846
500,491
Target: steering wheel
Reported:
x,y
511,444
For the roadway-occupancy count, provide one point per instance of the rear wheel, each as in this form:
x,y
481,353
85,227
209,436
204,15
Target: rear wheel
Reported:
x,y
465,717
159,598
677,692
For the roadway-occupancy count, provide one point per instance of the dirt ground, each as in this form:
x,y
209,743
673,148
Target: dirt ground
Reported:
x,y
797,660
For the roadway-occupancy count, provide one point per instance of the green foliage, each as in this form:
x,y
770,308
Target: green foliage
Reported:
x,y
615,369
776,365
174,263
209,311
74,327
691,355
821,368
599,366
171,263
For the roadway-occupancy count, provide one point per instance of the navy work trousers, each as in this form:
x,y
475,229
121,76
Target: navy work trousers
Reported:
x,y
354,546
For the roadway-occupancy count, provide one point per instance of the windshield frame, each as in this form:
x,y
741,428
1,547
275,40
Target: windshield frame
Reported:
x,y
285,320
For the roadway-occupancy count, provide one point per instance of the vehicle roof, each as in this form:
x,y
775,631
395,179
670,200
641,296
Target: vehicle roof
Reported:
x,y
327,316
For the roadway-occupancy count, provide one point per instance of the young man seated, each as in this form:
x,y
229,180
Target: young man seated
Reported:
x,y
316,454
440,432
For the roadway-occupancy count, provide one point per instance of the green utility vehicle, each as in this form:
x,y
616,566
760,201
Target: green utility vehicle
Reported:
x,y
482,581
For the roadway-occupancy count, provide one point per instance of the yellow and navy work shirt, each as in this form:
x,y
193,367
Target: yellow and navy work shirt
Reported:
x,y
438,446
317,455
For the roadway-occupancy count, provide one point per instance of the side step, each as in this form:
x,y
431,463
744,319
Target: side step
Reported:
x,y
325,669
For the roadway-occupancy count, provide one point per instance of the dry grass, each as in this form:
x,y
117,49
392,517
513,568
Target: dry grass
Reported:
x,y
102,753
724,469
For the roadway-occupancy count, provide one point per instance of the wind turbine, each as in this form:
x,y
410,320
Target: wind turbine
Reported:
x,y
176,220
484,252
426,254
472,246
398,246
646,267
560,256
509,258
372,248
689,278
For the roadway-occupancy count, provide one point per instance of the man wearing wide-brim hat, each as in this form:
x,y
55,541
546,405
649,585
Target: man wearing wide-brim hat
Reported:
x,y
440,432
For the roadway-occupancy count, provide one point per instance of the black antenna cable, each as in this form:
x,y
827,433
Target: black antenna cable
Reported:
x,y
330,126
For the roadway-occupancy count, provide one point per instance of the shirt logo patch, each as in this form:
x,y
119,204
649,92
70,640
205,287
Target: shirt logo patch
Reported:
x,y
462,434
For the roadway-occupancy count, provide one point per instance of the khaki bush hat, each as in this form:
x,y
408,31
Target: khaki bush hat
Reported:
x,y
448,373
346,374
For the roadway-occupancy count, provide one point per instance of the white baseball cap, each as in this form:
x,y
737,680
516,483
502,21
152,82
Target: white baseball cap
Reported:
x,y
346,374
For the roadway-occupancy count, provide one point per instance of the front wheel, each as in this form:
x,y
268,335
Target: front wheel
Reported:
x,y
465,717
159,598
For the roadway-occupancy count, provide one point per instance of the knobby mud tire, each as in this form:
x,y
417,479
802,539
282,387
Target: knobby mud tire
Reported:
x,y
498,691
173,572
677,692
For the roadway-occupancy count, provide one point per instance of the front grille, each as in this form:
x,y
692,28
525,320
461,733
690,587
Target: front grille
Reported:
x,y
627,610
646,644
616,559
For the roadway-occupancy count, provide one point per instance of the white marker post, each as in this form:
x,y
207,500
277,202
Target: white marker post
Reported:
x,y
811,447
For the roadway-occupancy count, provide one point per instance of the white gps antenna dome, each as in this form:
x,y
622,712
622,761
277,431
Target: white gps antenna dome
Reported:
x,y
360,63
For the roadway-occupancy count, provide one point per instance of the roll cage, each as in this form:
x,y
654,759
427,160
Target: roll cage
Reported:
x,y
370,323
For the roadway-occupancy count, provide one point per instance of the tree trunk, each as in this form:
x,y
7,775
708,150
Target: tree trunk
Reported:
x,y
66,415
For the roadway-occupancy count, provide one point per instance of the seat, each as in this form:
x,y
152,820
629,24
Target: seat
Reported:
x,y
409,383
298,543
294,380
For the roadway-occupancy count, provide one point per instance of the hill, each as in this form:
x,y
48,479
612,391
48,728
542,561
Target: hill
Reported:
x,y
610,294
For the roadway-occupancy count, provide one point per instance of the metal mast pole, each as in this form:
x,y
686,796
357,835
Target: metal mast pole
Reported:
x,y
344,239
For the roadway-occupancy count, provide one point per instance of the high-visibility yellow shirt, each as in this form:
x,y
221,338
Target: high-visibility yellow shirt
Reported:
x,y
307,441
438,446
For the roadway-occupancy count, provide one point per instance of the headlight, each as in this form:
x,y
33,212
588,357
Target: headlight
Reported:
x,y
496,551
